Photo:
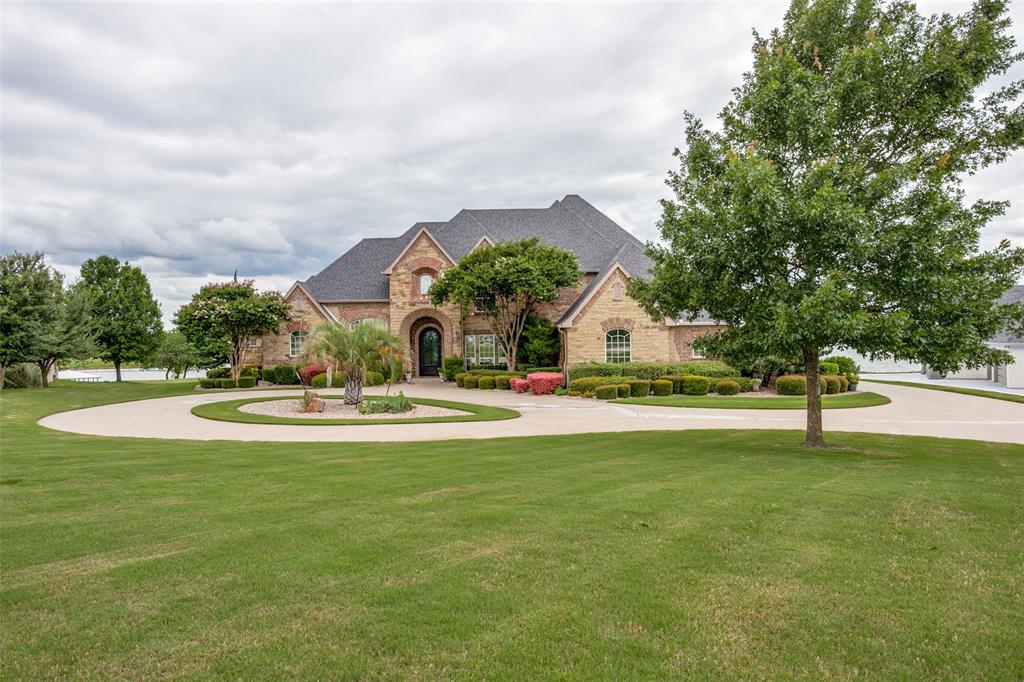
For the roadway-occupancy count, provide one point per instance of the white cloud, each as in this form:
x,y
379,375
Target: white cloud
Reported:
x,y
197,139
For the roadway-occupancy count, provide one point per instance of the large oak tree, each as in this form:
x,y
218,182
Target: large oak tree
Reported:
x,y
828,210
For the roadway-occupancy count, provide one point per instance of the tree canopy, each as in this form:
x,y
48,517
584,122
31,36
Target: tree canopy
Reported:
x,y
221,318
29,295
505,282
127,317
828,209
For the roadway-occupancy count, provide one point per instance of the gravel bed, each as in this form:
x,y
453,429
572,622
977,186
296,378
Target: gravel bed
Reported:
x,y
337,409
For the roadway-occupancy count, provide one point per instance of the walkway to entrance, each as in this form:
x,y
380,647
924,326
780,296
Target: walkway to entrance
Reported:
x,y
913,411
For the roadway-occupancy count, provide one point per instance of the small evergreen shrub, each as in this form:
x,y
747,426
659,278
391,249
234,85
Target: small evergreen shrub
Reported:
x,y
607,392
676,380
392,404
374,378
623,390
746,384
450,367
846,365
270,375
485,383
587,385
661,387
694,385
470,381
832,384
320,380
218,373
826,368
639,388
23,375
791,384
844,384
226,383
247,382
496,373
460,377
285,375
727,387
653,370
208,383
254,371
503,383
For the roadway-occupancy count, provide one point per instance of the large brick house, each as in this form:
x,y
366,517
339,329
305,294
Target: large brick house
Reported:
x,y
385,280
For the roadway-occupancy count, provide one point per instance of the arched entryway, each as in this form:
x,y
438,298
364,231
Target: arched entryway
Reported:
x,y
429,351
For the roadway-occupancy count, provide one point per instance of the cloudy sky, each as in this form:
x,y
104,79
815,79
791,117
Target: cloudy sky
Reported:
x,y
198,139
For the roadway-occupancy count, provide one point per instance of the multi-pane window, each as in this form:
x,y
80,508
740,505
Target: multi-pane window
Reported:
x,y
297,342
426,280
696,354
617,346
483,349
253,342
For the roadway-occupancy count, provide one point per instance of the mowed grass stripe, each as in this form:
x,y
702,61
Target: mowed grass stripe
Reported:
x,y
647,555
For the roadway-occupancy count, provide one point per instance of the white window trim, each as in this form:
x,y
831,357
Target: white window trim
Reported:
x,y
291,342
628,348
423,276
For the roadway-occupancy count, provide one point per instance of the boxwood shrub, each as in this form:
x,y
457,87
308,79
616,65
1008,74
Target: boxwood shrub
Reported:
x,y
450,367
285,375
470,381
218,373
503,383
727,387
832,384
844,384
587,385
374,378
639,388
661,387
623,390
485,383
496,373
208,383
226,383
270,374
460,377
826,368
247,382
320,380
254,371
791,384
606,392
694,385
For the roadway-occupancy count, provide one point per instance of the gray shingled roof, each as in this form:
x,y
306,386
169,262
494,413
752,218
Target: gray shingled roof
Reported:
x,y
570,223
1014,294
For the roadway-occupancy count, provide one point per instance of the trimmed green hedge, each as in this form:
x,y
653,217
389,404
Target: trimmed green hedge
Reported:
x,y
470,381
485,383
639,388
832,384
606,392
587,385
826,368
694,385
285,375
208,383
247,382
623,390
653,370
496,373
320,380
450,367
661,387
791,384
460,377
727,387
503,383
374,378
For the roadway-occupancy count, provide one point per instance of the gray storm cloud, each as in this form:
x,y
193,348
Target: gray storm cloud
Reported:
x,y
195,140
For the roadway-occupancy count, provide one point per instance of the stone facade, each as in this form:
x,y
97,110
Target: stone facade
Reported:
x,y
408,312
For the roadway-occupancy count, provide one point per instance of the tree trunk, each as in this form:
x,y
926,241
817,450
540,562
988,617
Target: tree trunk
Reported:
x,y
814,438
44,371
353,390
167,374
117,369
3,374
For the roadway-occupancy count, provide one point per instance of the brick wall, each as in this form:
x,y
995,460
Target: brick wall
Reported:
x,y
275,347
682,338
350,312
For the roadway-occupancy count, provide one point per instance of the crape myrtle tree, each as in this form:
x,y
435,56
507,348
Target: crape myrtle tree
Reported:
x,y
828,209
221,318
504,282
123,310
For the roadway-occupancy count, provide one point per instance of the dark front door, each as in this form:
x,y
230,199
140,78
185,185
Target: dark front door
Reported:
x,y
430,352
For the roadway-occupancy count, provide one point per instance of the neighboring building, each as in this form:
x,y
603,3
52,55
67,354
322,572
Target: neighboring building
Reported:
x,y
385,280
1009,375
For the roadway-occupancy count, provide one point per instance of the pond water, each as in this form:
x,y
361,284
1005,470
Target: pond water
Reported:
x,y
126,374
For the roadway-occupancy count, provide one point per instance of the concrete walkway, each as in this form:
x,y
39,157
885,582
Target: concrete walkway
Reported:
x,y
912,411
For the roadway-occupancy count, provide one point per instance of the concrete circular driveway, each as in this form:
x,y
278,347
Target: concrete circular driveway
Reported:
x,y
913,411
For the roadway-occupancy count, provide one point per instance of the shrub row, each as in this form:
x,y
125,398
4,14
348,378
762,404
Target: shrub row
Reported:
x,y
796,384
653,370
243,382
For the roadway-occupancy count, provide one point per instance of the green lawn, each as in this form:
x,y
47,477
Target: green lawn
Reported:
x,y
749,402
227,411
659,555
956,389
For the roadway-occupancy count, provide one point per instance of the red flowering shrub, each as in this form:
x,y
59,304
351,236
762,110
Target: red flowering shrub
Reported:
x,y
309,371
519,385
542,383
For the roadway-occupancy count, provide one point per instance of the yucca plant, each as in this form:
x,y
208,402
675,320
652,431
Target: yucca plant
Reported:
x,y
352,351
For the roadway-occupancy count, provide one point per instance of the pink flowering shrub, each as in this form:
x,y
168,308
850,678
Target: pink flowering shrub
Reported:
x,y
309,371
519,385
542,383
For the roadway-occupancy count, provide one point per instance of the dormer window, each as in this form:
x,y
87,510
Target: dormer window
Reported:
x,y
426,280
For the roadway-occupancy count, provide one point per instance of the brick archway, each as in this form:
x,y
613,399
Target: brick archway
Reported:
x,y
420,319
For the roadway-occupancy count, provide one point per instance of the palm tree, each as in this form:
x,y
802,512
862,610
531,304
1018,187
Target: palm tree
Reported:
x,y
352,352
